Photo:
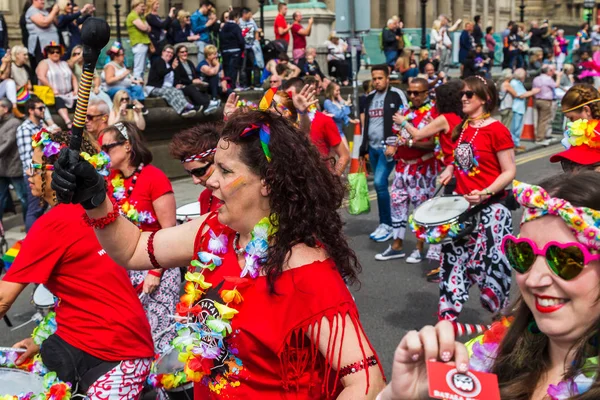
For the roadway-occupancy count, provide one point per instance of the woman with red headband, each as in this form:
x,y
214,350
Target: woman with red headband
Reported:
x,y
145,196
266,313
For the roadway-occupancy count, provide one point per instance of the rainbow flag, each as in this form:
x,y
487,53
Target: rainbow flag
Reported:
x,y
11,254
22,95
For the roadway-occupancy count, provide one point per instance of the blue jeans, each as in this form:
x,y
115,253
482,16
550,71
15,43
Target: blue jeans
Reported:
x,y
390,57
34,208
232,62
136,92
19,185
516,127
382,169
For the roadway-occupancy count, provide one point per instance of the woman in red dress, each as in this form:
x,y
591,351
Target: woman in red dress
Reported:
x,y
268,314
484,165
145,196
103,344
195,148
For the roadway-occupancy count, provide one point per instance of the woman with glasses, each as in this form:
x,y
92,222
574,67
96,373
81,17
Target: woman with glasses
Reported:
x,y
581,105
144,195
182,28
57,74
188,80
484,165
545,347
127,110
116,76
100,321
195,148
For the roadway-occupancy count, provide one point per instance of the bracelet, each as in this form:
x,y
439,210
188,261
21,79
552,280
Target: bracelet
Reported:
x,y
358,366
101,223
150,250
403,124
154,273
488,192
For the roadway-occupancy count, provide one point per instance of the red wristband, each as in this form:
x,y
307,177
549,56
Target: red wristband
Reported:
x,y
101,223
150,250
154,273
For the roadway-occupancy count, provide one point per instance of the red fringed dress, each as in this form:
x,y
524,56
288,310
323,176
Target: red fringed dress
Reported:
x,y
270,355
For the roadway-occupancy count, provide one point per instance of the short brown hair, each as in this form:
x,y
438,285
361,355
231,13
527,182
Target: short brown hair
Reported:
x,y
195,140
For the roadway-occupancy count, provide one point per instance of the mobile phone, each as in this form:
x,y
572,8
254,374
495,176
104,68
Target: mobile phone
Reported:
x,y
130,106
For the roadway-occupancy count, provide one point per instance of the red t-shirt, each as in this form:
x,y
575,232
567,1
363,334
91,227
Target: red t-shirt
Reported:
x,y
446,142
490,140
412,153
151,184
208,202
324,133
299,40
280,22
98,311
272,357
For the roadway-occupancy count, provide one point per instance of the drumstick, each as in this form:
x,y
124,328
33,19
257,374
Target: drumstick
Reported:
x,y
7,321
15,349
95,34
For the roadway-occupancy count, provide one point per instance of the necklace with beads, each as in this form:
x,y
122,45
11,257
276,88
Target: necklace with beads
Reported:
x,y
465,155
238,250
122,196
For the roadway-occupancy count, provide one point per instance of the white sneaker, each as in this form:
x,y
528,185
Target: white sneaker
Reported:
x,y
384,235
389,254
543,142
188,114
376,232
414,258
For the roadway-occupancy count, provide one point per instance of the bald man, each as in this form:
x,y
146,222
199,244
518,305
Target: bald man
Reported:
x,y
96,118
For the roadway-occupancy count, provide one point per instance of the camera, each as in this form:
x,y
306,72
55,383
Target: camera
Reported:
x,y
130,106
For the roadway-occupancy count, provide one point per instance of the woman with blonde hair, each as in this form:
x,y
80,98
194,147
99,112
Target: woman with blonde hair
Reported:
x,y
126,110
507,95
138,30
182,29
436,38
158,27
68,23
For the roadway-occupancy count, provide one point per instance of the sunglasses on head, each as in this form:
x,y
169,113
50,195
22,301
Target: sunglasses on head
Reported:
x,y
415,92
565,260
468,93
199,172
106,147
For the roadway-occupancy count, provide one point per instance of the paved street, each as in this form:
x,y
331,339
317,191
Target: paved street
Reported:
x,y
394,297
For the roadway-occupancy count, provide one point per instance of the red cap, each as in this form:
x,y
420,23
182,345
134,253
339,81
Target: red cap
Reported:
x,y
582,154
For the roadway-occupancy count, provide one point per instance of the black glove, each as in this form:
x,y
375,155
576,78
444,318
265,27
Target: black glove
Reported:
x,y
76,181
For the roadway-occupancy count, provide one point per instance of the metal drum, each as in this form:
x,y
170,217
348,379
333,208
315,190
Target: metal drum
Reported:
x,y
442,219
168,363
43,299
188,212
15,381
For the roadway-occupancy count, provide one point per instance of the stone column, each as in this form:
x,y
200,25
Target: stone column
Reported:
x,y
375,15
497,16
412,14
431,12
391,6
444,7
473,9
486,15
458,9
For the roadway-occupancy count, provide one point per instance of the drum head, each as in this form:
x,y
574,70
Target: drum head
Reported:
x,y
440,210
191,210
168,363
42,297
14,382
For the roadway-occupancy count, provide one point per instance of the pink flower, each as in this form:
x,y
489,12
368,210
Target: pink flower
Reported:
x,y
563,391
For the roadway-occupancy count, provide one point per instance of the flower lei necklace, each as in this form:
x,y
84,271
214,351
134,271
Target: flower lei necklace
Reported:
x,y
128,210
411,114
582,132
202,341
465,154
484,349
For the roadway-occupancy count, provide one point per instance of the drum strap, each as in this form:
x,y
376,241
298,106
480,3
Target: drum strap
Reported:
x,y
72,364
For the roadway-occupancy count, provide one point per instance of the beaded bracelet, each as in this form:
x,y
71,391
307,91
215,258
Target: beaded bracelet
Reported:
x,y
101,223
150,250
357,366
154,273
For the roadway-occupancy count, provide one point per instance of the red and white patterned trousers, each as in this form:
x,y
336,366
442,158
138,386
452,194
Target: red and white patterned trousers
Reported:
x,y
123,382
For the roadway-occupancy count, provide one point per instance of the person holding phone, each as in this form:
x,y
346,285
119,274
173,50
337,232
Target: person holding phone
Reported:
x,y
124,109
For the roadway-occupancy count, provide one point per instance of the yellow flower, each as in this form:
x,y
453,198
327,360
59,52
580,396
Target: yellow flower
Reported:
x,y
192,376
226,312
198,279
117,181
192,294
229,296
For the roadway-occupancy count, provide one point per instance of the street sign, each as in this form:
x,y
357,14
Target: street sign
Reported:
x,y
362,17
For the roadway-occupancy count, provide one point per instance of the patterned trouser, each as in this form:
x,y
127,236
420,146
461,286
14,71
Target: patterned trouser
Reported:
x,y
477,259
160,305
411,185
123,382
174,97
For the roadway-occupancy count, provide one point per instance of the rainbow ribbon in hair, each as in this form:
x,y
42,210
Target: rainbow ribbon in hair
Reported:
x,y
264,132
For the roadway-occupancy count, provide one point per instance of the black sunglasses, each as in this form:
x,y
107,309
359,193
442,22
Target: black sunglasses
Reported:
x,y
415,92
106,147
468,93
40,108
199,172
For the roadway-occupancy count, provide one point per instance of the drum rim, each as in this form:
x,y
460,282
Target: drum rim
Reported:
x,y
185,205
448,221
181,388
43,305
38,377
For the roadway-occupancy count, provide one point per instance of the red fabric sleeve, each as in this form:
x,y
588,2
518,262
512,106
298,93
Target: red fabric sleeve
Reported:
x,y
330,131
501,139
160,184
296,28
40,252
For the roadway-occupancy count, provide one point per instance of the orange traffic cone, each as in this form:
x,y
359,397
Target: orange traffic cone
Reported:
x,y
529,120
356,143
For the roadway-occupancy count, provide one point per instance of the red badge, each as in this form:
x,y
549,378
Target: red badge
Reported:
x,y
445,382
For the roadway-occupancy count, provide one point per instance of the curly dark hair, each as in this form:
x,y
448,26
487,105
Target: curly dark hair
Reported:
x,y
62,138
448,98
197,139
304,197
